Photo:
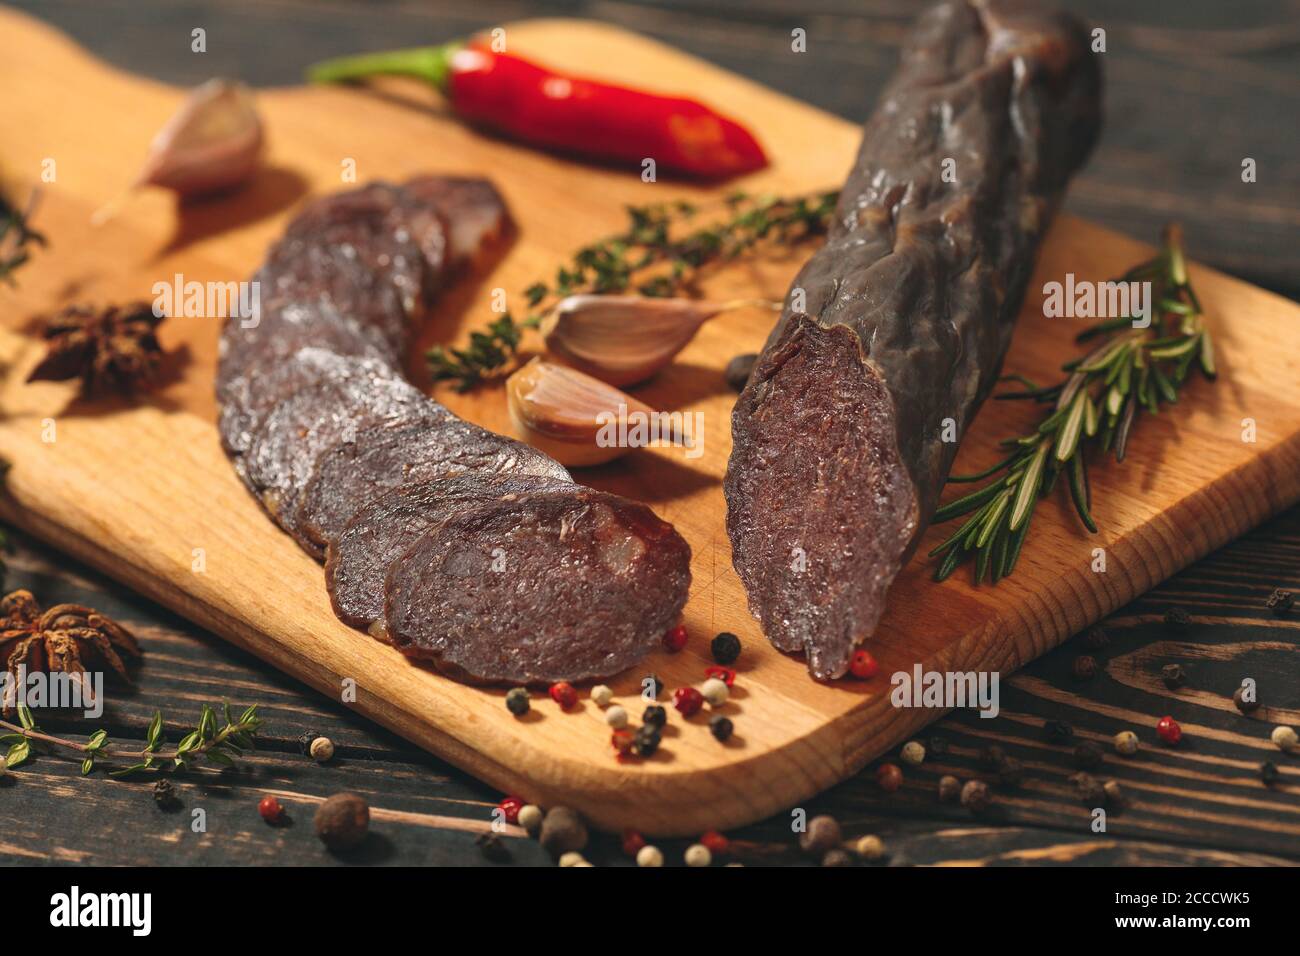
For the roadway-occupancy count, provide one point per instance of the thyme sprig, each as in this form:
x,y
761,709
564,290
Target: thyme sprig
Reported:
x,y
16,236
1096,405
218,745
652,257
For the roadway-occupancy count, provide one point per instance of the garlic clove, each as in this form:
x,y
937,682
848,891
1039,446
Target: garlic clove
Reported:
x,y
625,339
570,415
213,142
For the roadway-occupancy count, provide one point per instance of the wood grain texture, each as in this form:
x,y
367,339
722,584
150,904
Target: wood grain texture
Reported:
x,y
135,490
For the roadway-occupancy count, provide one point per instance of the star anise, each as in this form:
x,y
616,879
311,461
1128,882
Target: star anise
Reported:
x,y
54,641
113,350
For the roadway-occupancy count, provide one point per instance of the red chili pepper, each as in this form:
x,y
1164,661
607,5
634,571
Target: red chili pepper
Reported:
x,y
537,105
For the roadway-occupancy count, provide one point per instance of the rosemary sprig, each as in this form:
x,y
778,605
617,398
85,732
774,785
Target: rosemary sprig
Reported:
x,y
16,236
651,257
218,745
1131,370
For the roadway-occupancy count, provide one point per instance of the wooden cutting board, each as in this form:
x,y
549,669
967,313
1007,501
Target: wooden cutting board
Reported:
x,y
143,491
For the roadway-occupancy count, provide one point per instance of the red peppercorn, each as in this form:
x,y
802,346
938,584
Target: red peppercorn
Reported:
x,y
1169,731
622,740
863,665
510,807
675,639
687,700
717,843
724,674
270,809
564,694
632,842
889,777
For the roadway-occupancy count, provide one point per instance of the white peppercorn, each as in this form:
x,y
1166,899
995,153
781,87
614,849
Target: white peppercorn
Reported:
x,y
912,754
616,717
697,854
715,691
572,858
322,749
530,818
602,695
1126,743
870,847
649,856
1285,738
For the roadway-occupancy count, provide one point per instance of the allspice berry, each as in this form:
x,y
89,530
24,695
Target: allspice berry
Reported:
x,y
1089,755
823,834
1011,773
949,788
1246,706
562,832
1088,789
975,796
1084,667
342,821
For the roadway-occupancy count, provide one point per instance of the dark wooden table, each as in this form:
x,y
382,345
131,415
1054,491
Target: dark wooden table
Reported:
x,y
1193,89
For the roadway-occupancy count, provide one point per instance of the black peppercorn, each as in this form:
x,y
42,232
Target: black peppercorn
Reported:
x,y
1058,732
653,684
1269,773
1088,789
725,648
991,757
1011,773
739,369
655,716
1095,638
1280,601
937,746
721,727
1176,619
304,741
1246,706
646,740
1089,755
164,794
1173,675
517,701
492,847
1084,667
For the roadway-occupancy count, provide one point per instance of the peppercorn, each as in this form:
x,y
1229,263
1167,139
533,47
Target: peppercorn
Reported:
x,y
1114,795
823,835
1084,667
649,856
656,687
718,844
1168,730
991,757
1269,773
562,693
601,695
1284,738
572,858
517,701
889,777
1089,756
949,788
342,821
721,727
975,796
674,639
725,648
623,740
530,818
687,700
739,369
1126,743
938,745
715,692
632,842
1280,601
304,742
912,753
862,665
322,750
1244,704
164,794
1088,789
724,674
1095,638
510,807
270,809
616,717
654,716
1058,732
492,847
870,847
697,854
1173,675
562,832
837,857
645,741
1011,773
1176,619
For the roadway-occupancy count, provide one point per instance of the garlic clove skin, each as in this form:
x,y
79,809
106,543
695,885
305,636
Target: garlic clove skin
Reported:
x,y
558,410
625,339
213,142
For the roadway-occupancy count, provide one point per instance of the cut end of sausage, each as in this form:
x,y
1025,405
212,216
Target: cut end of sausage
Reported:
x,y
567,585
821,511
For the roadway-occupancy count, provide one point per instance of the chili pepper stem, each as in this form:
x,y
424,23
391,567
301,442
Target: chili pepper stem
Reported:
x,y
429,63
